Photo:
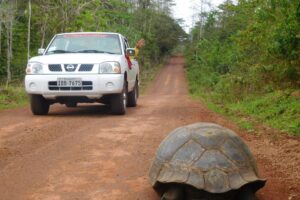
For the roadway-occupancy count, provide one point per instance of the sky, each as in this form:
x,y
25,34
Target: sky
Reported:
x,y
185,9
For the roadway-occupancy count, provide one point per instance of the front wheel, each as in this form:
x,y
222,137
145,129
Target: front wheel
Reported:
x,y
133,96
39,105
119,102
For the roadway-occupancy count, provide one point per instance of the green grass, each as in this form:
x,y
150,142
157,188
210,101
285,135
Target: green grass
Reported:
x,y
278,109
12,97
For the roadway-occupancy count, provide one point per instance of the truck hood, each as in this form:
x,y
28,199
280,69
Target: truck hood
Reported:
x,y
80,58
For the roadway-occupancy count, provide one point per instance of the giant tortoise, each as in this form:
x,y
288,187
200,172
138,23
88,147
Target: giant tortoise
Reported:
x,y
204,161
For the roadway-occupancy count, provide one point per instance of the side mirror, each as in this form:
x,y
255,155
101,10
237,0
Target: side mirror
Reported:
x,y
130,52
41,51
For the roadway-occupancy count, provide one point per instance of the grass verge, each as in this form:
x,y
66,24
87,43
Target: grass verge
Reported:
x,y
278,109
12,97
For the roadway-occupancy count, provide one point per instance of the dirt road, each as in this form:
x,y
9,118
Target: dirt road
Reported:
x,y
86,153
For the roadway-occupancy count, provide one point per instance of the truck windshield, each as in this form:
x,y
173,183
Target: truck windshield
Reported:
x,y
85,43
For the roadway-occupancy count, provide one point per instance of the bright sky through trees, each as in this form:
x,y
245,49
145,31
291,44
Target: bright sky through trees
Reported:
x,y
188,10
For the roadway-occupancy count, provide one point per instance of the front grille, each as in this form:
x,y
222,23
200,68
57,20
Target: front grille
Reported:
x,y
55,68
86,67
86,85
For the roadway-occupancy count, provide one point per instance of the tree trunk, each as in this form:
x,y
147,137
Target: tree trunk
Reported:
x,y
8,72
28,32
43,30
0,36
11,39
201,21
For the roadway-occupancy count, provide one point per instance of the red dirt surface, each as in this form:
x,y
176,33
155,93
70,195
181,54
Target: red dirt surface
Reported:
x,y
86,153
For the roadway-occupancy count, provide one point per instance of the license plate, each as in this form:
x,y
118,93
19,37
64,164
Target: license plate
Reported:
x,y
69,82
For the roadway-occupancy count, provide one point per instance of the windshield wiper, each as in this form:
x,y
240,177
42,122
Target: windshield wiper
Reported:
x,y
81,51
59,51
94,51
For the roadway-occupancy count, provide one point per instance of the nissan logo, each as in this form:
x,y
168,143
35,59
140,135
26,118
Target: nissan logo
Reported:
x,y
70,67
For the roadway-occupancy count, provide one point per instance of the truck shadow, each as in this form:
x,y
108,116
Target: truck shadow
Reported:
x,y
80,110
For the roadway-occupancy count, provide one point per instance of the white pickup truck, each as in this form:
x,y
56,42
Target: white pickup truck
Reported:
x,y
83,67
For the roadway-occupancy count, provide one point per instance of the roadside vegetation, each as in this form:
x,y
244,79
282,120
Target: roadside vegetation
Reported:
x,y
28,25
12,97
244,57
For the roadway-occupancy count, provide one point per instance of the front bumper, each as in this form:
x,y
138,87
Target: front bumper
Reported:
x,y
102,84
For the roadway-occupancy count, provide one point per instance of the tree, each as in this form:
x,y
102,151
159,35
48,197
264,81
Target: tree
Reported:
x,y
8,15
29,26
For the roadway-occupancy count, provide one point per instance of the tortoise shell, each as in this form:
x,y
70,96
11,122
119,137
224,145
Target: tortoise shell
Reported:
x,y
206,156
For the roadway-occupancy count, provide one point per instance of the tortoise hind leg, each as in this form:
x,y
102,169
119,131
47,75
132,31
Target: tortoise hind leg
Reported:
x,y
174,192
246,193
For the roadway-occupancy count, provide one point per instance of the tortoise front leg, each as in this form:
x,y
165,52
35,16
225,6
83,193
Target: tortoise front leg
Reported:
x,y
174,192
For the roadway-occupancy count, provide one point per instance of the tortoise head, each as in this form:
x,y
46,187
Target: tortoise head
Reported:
x,y
174,192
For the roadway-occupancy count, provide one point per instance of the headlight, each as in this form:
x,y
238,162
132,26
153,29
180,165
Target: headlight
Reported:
x,y
34,68
110,68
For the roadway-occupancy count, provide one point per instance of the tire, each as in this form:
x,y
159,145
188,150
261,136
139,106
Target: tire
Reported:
x,y
119,102
39,105
133,96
